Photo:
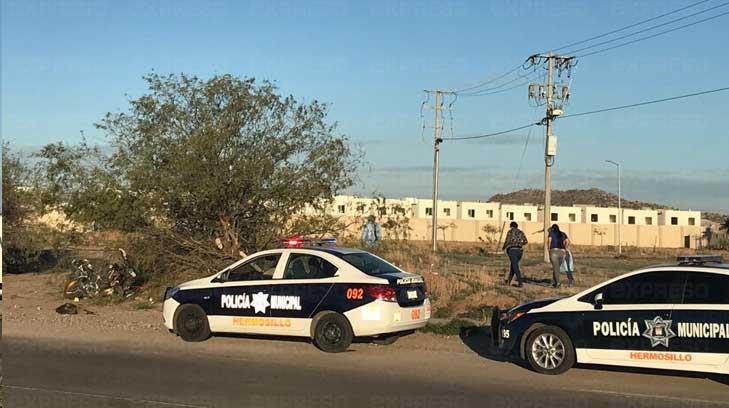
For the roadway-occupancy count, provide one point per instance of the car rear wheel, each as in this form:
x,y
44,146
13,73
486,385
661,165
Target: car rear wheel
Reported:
x,y
549,350
333,334
191,323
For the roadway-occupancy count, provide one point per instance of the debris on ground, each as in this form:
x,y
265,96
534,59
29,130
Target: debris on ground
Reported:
x,y
67,308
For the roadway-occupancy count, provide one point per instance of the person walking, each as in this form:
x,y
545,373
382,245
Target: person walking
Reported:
x,y
558,245
514,248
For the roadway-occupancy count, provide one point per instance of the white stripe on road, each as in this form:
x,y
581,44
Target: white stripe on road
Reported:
x,y
649,396
102,396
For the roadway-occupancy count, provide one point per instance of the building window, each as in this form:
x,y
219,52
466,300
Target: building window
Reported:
x,y
528,216
510,215
555,217
471,213
613,218
593,218
692,221
428,211
447,212
573,217
648,221
631,219
341,209
490,213
674,220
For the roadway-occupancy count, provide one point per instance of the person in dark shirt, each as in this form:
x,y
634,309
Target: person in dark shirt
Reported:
x,y
514,248
558,244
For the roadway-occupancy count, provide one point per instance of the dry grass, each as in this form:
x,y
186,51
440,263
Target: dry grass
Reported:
x,y
466,281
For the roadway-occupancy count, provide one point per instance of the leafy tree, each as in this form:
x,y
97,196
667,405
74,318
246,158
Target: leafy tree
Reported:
x,y
78,179
725,225
16,203
224,158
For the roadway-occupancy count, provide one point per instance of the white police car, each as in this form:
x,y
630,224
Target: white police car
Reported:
x,y
329,294
666,317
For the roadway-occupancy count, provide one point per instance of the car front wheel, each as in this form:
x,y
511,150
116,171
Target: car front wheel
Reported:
x,y
549,350
191,323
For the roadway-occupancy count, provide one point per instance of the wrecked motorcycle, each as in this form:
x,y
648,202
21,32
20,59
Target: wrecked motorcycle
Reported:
x,y
119,279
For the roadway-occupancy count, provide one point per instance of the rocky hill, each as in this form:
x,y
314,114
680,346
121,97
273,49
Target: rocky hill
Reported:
x,y
593,196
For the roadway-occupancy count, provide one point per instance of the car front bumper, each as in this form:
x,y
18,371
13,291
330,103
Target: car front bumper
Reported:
x,y
505,336
168,312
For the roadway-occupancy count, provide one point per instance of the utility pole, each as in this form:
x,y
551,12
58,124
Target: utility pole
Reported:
x,y
554,96
548,159
437,140
620,210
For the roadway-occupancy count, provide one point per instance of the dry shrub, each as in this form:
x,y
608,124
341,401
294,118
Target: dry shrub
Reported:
x,y
163,258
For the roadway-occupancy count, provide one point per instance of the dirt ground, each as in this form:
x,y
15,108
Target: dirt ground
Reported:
x,y
30,303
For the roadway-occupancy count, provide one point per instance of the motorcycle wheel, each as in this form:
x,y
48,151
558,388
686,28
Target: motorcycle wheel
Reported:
x,y
73,290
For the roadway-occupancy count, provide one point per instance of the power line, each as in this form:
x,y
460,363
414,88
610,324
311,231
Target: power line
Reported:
x,y
652,35
481,91
514,69
523,152
488,81
491,134
631,25
650,28
633,105
519,85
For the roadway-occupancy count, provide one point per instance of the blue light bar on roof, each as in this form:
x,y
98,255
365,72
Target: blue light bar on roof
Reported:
x,y
700,259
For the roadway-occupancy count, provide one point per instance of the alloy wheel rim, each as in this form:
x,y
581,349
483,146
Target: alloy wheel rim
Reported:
x,y
548,351
332,333
193,324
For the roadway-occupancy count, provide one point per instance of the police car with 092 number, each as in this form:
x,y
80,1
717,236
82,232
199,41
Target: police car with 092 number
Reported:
x,y
323,292
672,317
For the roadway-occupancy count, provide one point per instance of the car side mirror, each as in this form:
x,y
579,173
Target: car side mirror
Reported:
x,y
597,302
218,279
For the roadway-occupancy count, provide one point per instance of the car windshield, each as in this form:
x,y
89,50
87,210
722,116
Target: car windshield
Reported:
x,y
369,264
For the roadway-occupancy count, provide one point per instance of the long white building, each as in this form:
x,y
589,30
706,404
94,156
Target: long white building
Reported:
x,y
587,225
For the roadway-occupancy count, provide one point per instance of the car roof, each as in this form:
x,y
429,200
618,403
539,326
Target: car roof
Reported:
x,y
334,250
690,266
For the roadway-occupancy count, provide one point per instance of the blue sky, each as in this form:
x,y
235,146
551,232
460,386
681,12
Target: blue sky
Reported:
x,y
65,64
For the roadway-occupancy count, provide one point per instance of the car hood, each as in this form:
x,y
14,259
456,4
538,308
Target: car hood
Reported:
x,y
197,283
535,304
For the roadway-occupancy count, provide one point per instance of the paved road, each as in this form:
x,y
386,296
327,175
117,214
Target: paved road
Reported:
x,y
235,372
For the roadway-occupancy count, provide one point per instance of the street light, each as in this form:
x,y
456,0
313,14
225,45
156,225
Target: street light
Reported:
x,y
620,210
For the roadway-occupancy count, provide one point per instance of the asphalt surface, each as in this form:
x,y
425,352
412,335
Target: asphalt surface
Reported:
x,y
242,372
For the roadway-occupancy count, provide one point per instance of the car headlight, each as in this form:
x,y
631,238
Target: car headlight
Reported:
x,y
514,315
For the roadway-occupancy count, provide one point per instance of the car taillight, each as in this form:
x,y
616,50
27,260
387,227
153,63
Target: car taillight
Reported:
x,y
383,292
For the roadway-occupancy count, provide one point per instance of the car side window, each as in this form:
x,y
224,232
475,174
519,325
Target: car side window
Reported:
x,y
706,288
260,268
646,288
305,266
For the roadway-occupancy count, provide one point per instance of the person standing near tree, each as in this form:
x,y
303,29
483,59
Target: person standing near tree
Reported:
x,y
371,233
514,248
558,246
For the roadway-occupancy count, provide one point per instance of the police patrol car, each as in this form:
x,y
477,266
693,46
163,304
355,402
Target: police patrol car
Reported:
x,y
329,294
666,317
